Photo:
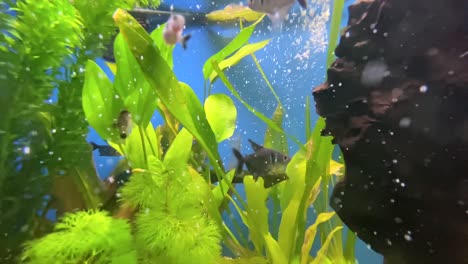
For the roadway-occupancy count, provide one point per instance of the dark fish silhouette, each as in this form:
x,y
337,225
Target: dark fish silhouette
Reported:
x,y
105,150
264,162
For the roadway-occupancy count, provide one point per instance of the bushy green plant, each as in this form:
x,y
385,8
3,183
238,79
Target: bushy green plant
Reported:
x,y
84,237
45,162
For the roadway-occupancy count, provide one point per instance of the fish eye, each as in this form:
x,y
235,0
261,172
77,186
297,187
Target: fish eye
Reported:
x,y
285,158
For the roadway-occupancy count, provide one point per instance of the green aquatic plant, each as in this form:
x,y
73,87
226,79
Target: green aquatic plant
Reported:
x,y
84,237
45,161
173,211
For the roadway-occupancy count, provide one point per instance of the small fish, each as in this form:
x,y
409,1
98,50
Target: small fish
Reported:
x,y
124,124
276,10
264,162
172,33
105,150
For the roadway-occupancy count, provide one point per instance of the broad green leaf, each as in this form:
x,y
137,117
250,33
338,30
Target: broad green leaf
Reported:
x,y
311,233
165,50
322,254
180,100
290,202
277,141
100,105
234,45
274,139
335,23
220,191
131,84
232,13
308,118
335,167
238,56
274,251
349,247
221,114
179,151
139,144
257,211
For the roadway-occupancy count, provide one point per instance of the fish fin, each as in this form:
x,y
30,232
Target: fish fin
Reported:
x,y
276,22
303,3
184,40
240,160
95,146
255,146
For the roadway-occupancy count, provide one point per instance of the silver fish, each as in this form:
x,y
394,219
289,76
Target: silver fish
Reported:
x,y
172,32
276,10
264,162
124,124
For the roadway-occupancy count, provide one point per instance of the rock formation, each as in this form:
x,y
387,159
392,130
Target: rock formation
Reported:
x,y
396,102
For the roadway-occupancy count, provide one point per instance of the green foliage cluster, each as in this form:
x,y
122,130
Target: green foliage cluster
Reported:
x,y
172,210
84,237
45,162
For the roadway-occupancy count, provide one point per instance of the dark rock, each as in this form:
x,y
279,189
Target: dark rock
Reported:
x,y
396,102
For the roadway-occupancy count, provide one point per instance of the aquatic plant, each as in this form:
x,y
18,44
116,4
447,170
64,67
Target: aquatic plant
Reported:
x,y
45,162
174,211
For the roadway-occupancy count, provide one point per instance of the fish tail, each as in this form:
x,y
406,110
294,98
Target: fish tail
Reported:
x,y
303,3
95,146
184,40
240,160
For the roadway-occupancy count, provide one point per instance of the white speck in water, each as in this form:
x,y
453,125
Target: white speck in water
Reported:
x,y
374,72
408,237
405,122
402,184
423,88
347,34
27,150
392,200
398,220
54,131
451,72
385,34
395,161
389,242
51,153
374,31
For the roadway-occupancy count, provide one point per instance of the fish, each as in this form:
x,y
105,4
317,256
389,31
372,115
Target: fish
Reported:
x,y
105,150
124,124
172,32
276,10
264,162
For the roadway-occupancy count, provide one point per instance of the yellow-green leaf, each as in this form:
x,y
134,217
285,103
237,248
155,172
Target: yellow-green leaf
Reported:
x,y
239,55
179,151
311,233
221,114
322,254
100,104
257,212
232,13
234,45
